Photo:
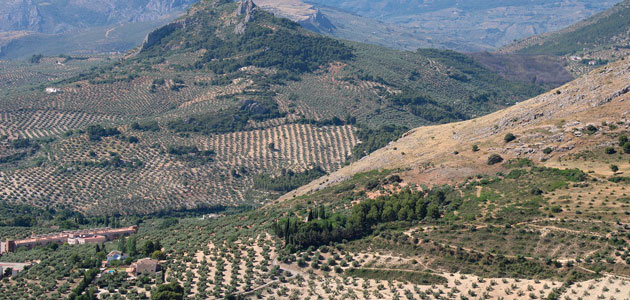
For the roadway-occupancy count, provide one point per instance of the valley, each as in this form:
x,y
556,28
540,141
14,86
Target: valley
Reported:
x,y
236,154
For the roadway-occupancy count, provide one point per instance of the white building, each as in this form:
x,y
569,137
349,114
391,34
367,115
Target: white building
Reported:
x,y
52,90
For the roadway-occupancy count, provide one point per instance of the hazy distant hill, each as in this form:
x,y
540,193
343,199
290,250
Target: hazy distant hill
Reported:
x,y
586,45
59,16
86,26
468,25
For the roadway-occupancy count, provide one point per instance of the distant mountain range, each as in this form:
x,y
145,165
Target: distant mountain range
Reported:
x,y
30,27
60,16
462,24
54,27
586,45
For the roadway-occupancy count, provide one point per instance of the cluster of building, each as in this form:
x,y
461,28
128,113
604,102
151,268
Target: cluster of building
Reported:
x,y
95,236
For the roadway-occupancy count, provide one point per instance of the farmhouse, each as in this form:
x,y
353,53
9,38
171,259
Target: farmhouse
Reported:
x,y
145,266
99,235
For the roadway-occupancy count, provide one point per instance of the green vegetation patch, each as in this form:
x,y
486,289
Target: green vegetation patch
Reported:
x,y
287,180
228,120
374,139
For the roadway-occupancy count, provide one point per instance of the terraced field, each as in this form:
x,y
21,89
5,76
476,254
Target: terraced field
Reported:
x,y
158,180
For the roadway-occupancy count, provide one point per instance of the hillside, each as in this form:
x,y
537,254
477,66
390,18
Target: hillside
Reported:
x,y
219,103
439,221
587,44
559,120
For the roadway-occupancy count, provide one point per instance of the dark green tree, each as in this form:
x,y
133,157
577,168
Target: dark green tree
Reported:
x,y
170,291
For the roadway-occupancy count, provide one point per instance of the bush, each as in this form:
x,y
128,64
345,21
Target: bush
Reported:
x,y
610,150
96,132
623,139
171,291
475,148
21,143
509,137
614,168
626,148
494,159
547,150
591,129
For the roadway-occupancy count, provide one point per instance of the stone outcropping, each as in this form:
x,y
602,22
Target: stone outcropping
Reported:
x,y
245,8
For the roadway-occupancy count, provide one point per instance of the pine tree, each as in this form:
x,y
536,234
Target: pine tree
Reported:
x,y
122,245
131,247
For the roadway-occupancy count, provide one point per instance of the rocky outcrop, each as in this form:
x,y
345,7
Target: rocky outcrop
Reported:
x,y
318,23
157,35
245,8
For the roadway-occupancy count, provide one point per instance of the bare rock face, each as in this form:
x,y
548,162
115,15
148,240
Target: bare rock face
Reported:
x,y
156,35
245,8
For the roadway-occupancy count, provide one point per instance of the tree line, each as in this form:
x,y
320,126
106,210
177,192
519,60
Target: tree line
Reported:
x,y
320,228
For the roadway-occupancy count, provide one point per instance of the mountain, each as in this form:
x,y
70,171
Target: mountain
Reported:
x,y
469,26
545,219
585,45
64,27
227,101
57,16
182,143
96,27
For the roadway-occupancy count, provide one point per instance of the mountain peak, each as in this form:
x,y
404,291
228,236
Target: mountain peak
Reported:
x,y
245,8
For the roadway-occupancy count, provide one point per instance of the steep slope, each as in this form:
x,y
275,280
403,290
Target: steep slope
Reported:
x,y
559,120
587,44
218,103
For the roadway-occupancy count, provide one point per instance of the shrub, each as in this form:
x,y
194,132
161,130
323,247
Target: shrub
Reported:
x,y
614,168
171,291
494,159
626,147
591,129
475,148
610,150
96,132
547,150
21,143
509,137
623,139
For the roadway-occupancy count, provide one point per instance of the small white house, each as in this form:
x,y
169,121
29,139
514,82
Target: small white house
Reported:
x,y
115,255
52,90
